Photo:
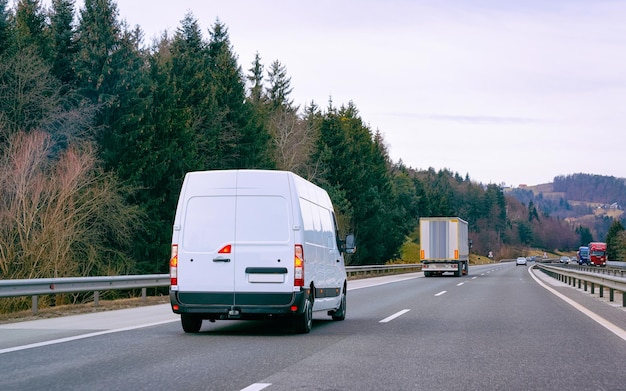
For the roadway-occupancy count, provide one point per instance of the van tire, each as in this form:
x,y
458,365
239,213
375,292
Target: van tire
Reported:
x,y
340,313
191,323
304,321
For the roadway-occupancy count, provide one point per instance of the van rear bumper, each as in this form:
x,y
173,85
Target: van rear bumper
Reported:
x,y
248,305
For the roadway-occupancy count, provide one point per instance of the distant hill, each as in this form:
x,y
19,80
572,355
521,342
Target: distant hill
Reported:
x,y
592,188
592,201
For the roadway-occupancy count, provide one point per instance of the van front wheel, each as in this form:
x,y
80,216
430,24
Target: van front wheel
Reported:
x,y
191,323
304,322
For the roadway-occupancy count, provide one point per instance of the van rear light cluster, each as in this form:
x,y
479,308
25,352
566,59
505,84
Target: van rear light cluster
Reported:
x,y
174,266
298,263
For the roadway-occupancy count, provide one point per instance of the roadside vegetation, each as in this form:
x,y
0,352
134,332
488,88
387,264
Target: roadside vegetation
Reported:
x,y
98,128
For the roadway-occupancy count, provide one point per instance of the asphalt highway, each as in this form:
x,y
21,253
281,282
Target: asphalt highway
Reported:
x,y
503,327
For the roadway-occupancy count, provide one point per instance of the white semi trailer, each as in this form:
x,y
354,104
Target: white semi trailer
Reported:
x,y
444,246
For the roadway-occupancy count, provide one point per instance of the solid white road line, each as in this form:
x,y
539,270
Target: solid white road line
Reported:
x,y
76,337
392,317
597,318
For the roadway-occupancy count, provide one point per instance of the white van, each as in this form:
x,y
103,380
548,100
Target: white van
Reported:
x,y
253,244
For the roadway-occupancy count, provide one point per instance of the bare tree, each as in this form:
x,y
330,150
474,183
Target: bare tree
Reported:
x,y
60,217
293,138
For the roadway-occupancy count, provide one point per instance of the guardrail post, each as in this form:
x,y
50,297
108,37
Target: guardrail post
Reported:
x,y
585,286
601,290
593,288
579,283
96,298
35,307
143,294
611,294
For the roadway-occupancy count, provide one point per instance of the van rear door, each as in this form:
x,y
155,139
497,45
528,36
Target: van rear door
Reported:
x,y
205,260
264,248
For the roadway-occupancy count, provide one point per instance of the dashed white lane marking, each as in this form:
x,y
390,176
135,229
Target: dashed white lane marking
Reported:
x,y
257,386
392,317
597,318
460,283
473,278
441,293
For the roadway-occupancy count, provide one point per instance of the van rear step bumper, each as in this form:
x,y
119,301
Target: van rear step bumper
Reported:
x,y
220,305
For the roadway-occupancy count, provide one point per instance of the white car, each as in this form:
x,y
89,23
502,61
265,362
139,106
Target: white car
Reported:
x,y
520,261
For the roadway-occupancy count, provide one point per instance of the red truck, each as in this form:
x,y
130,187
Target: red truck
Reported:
x,y
597,253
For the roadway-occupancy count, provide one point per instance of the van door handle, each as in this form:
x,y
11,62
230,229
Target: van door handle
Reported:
x,y
221,259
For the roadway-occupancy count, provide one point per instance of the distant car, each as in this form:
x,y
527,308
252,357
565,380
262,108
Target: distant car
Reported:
x,y
564,259
520,261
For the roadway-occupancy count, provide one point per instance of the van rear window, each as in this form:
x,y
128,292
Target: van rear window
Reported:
x,y
262,219
210,221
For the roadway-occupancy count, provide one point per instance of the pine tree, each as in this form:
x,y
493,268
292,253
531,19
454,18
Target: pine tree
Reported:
x,y
30,25
165,152
279,87
5,27
63,45
613,244
255,77
241,143
357,164
189,82
98,37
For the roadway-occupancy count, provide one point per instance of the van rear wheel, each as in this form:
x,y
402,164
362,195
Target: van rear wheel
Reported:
x,y
304,321
340,313
191,323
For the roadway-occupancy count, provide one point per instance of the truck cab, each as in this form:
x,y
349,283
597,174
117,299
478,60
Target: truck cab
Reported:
x,y
583,255
597,253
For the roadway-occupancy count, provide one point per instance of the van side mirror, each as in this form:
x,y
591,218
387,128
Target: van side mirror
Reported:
x,y
350,246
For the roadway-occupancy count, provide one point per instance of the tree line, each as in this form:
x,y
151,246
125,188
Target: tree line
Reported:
x,y
97,130
592,188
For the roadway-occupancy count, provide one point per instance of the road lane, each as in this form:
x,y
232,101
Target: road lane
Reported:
x,y
498,330
35,333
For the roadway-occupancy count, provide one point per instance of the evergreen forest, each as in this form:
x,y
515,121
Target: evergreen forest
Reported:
x,y
98,128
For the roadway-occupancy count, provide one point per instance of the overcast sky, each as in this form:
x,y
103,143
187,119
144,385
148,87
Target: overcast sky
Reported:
x,y
513,92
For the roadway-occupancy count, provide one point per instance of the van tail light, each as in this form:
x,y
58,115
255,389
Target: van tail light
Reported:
x,y
298,263
174,266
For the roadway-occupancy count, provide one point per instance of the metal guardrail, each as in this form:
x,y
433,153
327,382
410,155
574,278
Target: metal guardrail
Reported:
x,y
49,286
372,270
584,278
